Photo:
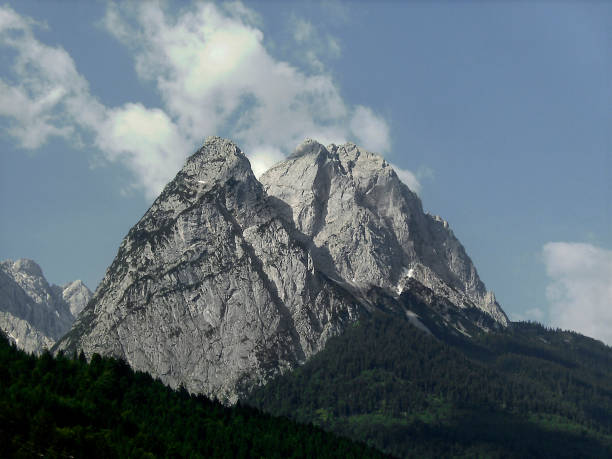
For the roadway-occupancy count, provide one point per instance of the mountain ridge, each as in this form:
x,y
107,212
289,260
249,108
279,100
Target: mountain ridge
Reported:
x,y
34,313
398,239
218,286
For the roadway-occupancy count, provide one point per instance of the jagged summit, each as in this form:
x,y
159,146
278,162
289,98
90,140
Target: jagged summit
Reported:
x,y
77,295
227,281
26,266
212,288
34,313
354,206
217,160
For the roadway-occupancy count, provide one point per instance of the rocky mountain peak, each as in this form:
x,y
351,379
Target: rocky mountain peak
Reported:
x,y
33,313
77,295
227,281
27,266
213,288
358,213
217,161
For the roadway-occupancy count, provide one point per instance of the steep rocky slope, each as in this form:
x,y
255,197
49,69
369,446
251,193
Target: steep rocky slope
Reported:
x,y
33,313
226,282
355,209
211,288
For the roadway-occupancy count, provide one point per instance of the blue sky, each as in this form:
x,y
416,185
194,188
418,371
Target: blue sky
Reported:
x,y
497,114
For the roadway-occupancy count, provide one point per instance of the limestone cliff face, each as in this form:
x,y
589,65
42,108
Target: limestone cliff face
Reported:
x,y
33,313
211,289
227,281
76,295
355,209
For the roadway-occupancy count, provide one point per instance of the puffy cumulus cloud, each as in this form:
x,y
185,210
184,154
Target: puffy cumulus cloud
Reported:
x,y
580,290
43,95
263,158
42,86
146,141
214,76
370,130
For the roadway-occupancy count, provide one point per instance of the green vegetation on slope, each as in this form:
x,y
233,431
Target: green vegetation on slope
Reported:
x,y
524,392
60,407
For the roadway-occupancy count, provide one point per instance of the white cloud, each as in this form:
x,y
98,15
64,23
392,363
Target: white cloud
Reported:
x,y
263,158
147,141
311,45
580,289
371,131
47,97
42,87
214,76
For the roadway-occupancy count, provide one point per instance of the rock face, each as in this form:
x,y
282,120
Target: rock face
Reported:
x,y
354,208
33,313
77,295
211,288
226,282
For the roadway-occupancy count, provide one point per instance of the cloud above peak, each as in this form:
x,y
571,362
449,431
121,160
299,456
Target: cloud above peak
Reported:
x,y
213,74
580,290
36,97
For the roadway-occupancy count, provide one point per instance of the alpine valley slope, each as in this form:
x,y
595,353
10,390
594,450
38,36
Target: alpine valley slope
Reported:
x,y
33,313
227,281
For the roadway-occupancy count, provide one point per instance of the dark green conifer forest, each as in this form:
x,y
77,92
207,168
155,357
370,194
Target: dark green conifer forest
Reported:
x,y
63,407
527,391
524,392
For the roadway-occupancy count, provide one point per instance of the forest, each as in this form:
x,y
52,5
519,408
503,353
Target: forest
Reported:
x,y
381,388
68,407
527,391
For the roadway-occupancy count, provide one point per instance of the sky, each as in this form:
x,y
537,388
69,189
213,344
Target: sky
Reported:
x,y
497,114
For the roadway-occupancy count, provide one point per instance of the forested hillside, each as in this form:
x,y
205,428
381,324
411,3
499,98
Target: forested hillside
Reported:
x,y
525,392
61,407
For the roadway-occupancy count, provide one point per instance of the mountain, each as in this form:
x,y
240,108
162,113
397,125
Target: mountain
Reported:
x,y
524,391
33,313
351,205
227,281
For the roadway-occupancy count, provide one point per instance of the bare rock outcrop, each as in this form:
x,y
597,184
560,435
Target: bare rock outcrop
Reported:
x,y
356,210
33,313
227,281
211,288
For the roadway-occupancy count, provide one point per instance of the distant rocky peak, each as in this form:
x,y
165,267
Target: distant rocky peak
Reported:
x,y
361,216
227,281
34,313
27,266
77,295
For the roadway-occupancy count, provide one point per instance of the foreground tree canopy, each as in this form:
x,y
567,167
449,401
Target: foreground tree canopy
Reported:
x,y
64,407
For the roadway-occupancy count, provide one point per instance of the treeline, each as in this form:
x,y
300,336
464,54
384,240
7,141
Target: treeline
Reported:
x,y
524,392
64,407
